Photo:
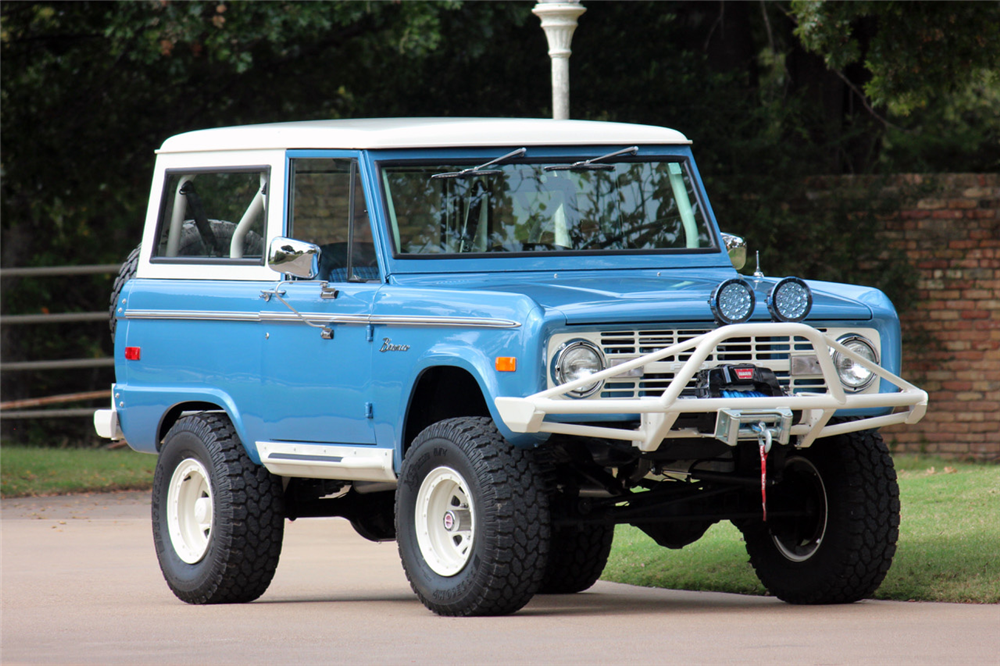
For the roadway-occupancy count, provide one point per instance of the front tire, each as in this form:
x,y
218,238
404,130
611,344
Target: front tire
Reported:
x,y
841,551
472,520
218,518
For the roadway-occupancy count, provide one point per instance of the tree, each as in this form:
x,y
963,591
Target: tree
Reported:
x,y
914,52
89,90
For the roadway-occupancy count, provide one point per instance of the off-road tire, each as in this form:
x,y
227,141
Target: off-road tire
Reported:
x,y
577,557
125,273
856,548
510,512
244,540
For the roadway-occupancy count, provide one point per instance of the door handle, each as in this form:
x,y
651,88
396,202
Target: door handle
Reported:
x,y
325,331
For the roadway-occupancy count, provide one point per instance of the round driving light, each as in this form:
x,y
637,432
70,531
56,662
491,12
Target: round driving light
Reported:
x,y
576,360
732,301
790,300
854,376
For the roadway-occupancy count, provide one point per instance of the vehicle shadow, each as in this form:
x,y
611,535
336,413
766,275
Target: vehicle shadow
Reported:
x,y
604,599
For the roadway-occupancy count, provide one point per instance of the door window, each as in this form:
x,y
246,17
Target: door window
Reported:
x,y
327,207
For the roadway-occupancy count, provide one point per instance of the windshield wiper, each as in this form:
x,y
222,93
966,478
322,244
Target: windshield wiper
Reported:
x,y
591,164
481,170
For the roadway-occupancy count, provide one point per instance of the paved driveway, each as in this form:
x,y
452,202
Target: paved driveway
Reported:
x,y
80,585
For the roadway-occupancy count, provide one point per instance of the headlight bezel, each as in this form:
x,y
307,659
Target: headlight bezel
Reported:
x,y
773,302
558,371
838,357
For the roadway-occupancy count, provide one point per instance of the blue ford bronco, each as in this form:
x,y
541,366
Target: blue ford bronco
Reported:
x,y
492,341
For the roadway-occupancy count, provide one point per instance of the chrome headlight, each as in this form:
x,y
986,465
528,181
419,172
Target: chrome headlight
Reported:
x,y
854,376
732,301
790,300
575,360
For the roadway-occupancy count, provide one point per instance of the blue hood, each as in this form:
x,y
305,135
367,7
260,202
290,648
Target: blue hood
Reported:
x,y
604,300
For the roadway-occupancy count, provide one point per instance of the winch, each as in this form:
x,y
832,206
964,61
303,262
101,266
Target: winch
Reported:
x,y
746,381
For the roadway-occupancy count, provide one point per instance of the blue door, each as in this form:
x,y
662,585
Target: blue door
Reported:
x,y
316,371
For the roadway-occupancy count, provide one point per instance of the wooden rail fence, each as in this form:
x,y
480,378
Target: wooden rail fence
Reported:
x,y
15,409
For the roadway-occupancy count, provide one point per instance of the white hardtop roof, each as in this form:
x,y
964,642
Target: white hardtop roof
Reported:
x,y
378,133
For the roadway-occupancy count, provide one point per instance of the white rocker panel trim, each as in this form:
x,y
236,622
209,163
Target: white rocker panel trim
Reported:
x,y
319,461
658,414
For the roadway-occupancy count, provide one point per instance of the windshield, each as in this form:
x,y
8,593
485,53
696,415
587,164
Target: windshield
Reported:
x,y
633,205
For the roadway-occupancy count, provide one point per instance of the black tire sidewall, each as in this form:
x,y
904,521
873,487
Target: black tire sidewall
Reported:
x,y
445,591
187,439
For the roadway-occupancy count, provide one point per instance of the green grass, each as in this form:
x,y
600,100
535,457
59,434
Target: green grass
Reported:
x,y
949,543
38,471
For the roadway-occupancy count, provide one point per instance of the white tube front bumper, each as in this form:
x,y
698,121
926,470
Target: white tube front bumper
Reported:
x,y
658,414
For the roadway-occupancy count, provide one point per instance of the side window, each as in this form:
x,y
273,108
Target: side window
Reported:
x,y
213,215
327,207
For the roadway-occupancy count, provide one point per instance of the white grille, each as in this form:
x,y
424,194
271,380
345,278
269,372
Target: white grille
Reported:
x,y
765,351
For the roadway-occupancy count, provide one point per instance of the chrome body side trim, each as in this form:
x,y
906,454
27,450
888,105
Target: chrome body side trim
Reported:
x,y
359,320
461,322
197,315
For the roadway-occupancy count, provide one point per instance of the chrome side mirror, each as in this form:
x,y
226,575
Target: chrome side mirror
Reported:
x,y
737,248
295,257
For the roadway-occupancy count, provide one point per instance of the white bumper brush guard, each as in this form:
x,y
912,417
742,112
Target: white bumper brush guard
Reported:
x,y
737,418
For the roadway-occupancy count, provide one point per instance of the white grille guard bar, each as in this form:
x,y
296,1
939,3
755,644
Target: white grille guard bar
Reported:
x,y
658,414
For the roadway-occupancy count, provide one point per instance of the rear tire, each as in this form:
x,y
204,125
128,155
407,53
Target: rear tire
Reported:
x,y
843,550
577,558
218,518
472,520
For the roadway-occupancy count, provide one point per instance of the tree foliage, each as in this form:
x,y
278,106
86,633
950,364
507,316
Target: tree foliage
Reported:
x,y
914,51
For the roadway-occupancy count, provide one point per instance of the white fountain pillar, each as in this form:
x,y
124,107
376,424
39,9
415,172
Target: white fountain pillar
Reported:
x,y
559,22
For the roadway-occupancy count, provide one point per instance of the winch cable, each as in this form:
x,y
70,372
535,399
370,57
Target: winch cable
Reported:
x,y
743,394
764,440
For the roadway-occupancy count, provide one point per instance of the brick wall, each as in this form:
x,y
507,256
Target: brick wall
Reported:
x,y
949,228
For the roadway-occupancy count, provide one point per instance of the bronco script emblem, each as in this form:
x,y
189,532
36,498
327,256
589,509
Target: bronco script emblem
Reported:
x,y
387,346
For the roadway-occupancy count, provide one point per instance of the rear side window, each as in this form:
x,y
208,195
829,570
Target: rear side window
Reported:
x,y
213,215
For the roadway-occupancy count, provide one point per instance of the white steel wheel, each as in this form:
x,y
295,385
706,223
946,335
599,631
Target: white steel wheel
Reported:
x,y
189,510
445,521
